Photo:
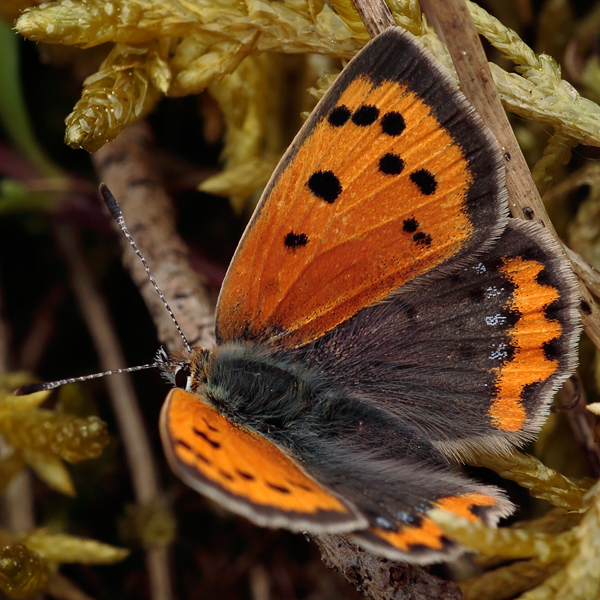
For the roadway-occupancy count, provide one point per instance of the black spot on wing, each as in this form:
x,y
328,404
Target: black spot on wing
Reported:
x,y
410,225
246,476
391,164
278,488
553,311
197,454
339,116
325,185
425,181
203,435
295,240
553,349
544,277
184,444
510,352
211,427
392,123
511,317
366,115
534,252
202,458
226,475
531,392
301,486
493,264
422,238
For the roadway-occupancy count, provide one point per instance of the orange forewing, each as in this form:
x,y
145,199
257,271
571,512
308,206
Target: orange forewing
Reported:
x,y
359,248
243,470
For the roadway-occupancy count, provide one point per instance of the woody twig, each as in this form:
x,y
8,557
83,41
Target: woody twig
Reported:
x,y
128,166
380,579
18,507
375,15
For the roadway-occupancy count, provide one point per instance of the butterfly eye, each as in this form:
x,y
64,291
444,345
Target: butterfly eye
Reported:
x,y
182,377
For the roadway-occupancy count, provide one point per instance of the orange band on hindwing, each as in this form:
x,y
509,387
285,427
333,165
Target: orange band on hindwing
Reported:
x,y
427,533
528,336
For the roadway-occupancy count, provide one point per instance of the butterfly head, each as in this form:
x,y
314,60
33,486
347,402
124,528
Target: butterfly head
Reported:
x,y
185,369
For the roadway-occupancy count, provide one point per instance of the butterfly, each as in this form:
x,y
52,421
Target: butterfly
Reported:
x,y
382,319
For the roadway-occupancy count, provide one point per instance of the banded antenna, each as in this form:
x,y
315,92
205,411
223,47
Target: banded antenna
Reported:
x,y
161,358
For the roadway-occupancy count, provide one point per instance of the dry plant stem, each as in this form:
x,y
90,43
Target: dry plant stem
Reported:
x,y
454,25
589,275
62,588
129,167
18,506
36,340
122,394
260,583
18,503
583,423
381,579
453,22
375,14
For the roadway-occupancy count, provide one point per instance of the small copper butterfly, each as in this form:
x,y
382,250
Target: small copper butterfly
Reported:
x,y
381,318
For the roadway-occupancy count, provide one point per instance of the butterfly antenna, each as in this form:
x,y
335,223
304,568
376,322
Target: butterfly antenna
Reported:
x,y
117,215
50,385
161,360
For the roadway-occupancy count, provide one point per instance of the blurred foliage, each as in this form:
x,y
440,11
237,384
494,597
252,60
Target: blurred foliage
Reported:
x,y
168,47
42,439
236,54
27,562
152,524
23,572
